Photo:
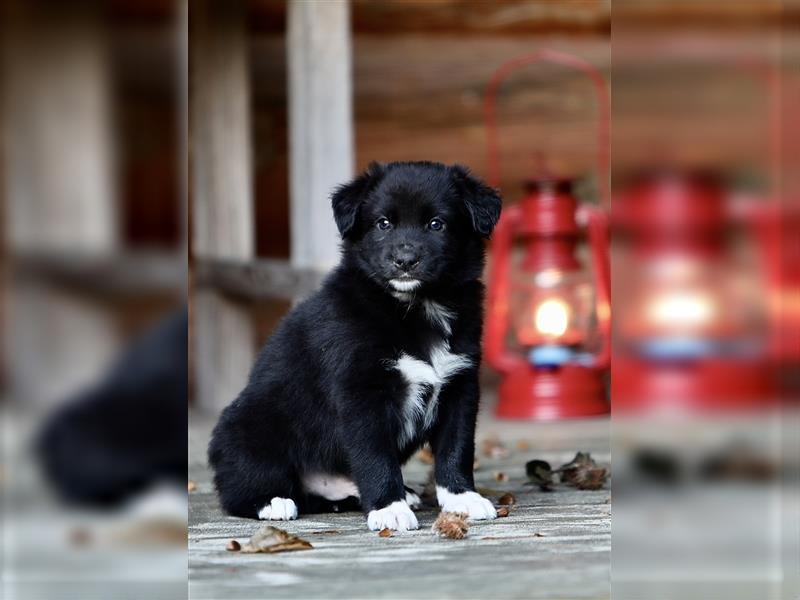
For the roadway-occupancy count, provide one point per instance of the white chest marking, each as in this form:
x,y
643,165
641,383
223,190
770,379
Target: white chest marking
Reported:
x,y
439,315
421,377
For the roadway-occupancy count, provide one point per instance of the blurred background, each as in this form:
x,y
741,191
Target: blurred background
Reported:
x,y
169,163
94,292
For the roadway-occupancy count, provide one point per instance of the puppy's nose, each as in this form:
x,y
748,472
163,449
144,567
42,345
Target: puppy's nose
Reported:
x,y
405,258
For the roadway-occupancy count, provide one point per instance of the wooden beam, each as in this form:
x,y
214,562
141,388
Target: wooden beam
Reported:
x,y
222,188
492,17
260,279
320,125
133,274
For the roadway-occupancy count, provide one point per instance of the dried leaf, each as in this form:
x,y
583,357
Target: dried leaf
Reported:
x,y
271,539
80,537
500,476
156,531
494,448
451,525
592,478
386,532
738,462
502,511
233,546
583,472
540,473
507,499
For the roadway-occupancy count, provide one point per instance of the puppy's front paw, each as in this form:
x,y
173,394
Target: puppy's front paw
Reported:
x,y
413,500
397,516
279,509
472,503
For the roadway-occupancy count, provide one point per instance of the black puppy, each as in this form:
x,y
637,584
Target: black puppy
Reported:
x,y
380,360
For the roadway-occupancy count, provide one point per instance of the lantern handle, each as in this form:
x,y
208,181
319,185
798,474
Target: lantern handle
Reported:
x,y
603,119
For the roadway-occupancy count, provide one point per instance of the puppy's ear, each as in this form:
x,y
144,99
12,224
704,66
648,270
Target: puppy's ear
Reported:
x,y
482,202
346,199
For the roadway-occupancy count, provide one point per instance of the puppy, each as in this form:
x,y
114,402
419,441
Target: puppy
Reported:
x,y
383,358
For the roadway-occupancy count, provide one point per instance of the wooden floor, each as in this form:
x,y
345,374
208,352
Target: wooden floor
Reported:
x,y
552,545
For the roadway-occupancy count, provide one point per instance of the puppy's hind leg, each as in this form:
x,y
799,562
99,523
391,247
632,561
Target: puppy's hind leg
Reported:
x,y
254,487
261,492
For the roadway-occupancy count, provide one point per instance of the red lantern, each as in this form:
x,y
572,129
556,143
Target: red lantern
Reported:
x,y
696,327
548,317
692,328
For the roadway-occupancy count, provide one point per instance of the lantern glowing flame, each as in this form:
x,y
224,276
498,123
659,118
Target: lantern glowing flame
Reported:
x,y
552,317
688,309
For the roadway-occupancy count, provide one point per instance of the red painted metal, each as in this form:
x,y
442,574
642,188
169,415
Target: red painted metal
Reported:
x,y
572,391
546,222
680,214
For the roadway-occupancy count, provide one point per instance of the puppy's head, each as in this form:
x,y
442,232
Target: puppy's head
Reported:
x,y
409,226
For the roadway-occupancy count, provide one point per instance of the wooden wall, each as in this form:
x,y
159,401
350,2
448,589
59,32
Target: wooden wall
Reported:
x,y
420,69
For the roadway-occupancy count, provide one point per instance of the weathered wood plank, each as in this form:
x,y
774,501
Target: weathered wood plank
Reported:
x,y
388,17
260,279
133,274
59,140
223,347
499,559
222,188
320,125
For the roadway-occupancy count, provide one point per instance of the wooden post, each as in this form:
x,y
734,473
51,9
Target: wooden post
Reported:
x,y
59,149
59,141
223,349
222,190
222,195
320,124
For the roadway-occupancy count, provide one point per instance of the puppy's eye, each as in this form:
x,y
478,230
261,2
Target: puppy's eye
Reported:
x,y
436,224
383,224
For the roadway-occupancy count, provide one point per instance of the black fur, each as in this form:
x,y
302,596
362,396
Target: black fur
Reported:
x,y
127,432
322,396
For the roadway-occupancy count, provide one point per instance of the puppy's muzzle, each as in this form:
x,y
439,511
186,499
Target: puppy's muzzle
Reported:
x,y
405,258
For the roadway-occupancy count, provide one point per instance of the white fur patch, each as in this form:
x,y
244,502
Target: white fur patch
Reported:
x,y
476,506
279,509
397,516
422,376
403,296
413,500
330,487
439,315
405,285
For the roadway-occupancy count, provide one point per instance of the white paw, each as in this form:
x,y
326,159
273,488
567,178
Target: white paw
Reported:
x,y
471,503
413,500
279,509
397,516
